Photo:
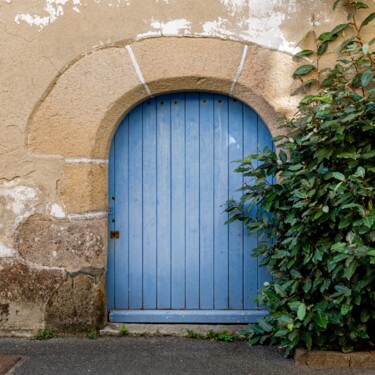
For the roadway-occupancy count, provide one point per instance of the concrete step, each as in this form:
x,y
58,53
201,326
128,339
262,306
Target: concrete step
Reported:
x,y
177,330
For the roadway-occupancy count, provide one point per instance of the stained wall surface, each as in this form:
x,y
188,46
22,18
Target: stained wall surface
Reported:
x,y
70,70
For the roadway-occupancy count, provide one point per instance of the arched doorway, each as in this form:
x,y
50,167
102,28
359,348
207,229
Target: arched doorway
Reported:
x,y
171,256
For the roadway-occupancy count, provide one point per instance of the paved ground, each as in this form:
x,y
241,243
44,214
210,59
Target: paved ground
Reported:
x,y
149,356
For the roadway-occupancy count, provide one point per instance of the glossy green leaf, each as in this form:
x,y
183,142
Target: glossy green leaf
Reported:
x,y
345,308
360,5
365,315
303,53
335,4
367,20
283,157
363,335
350,269
301,312
321,320
339,176
339,28
366,77
328,37
265,325
322,48
304,69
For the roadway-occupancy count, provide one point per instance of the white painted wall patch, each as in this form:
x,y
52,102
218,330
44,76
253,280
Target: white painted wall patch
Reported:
x,y
20,200
57,211
172,27
6,252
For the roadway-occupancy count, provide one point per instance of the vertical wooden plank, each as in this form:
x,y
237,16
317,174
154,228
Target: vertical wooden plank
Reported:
x,y
135,209
149,204
250,240
178,201
192,200
206,201
264,139
221,143
236,228
111,226
163,202
121,267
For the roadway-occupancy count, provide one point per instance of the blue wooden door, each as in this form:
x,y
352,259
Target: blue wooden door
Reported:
x,y
170,173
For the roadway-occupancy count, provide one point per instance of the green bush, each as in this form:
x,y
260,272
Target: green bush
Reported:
x,y
318,221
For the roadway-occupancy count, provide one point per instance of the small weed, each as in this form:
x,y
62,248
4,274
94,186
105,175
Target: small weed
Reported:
x,y
227,336
214,336
44,334
92,335
123,330
194,335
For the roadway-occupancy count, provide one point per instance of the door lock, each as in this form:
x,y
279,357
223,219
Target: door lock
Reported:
x,y
114,234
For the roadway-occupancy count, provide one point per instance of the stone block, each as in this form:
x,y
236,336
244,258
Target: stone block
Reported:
x,y
320,359
73,245
180,64
24,291
327,359
362,360
68,119
265,84
300,357
78,305
83,188
20,282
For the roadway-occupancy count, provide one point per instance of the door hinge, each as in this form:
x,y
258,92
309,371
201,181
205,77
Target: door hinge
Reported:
x,y
114,234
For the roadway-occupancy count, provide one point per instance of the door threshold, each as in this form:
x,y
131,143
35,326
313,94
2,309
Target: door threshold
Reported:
x,y
186,316
175,330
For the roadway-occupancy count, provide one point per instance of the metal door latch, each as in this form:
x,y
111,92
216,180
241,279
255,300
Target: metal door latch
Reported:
x,y
114,234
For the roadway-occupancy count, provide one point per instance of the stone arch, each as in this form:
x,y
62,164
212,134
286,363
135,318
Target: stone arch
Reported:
x,y
79,115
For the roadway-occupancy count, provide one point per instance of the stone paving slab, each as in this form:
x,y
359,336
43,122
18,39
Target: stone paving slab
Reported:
x,y
7,362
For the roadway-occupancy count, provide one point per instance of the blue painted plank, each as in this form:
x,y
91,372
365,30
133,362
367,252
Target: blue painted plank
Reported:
x,y
264,139
221,142
192,201
111,226
235,229
163,203
178,201
206,201
186,316
250,239
121,269
135,209
149,204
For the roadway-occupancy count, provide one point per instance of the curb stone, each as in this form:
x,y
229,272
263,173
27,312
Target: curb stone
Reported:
x,y
333,360
176,330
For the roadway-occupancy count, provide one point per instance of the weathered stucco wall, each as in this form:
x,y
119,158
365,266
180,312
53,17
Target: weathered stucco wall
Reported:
x,y
70,70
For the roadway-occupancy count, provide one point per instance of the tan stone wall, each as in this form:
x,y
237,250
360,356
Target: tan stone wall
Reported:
x,y
70,71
